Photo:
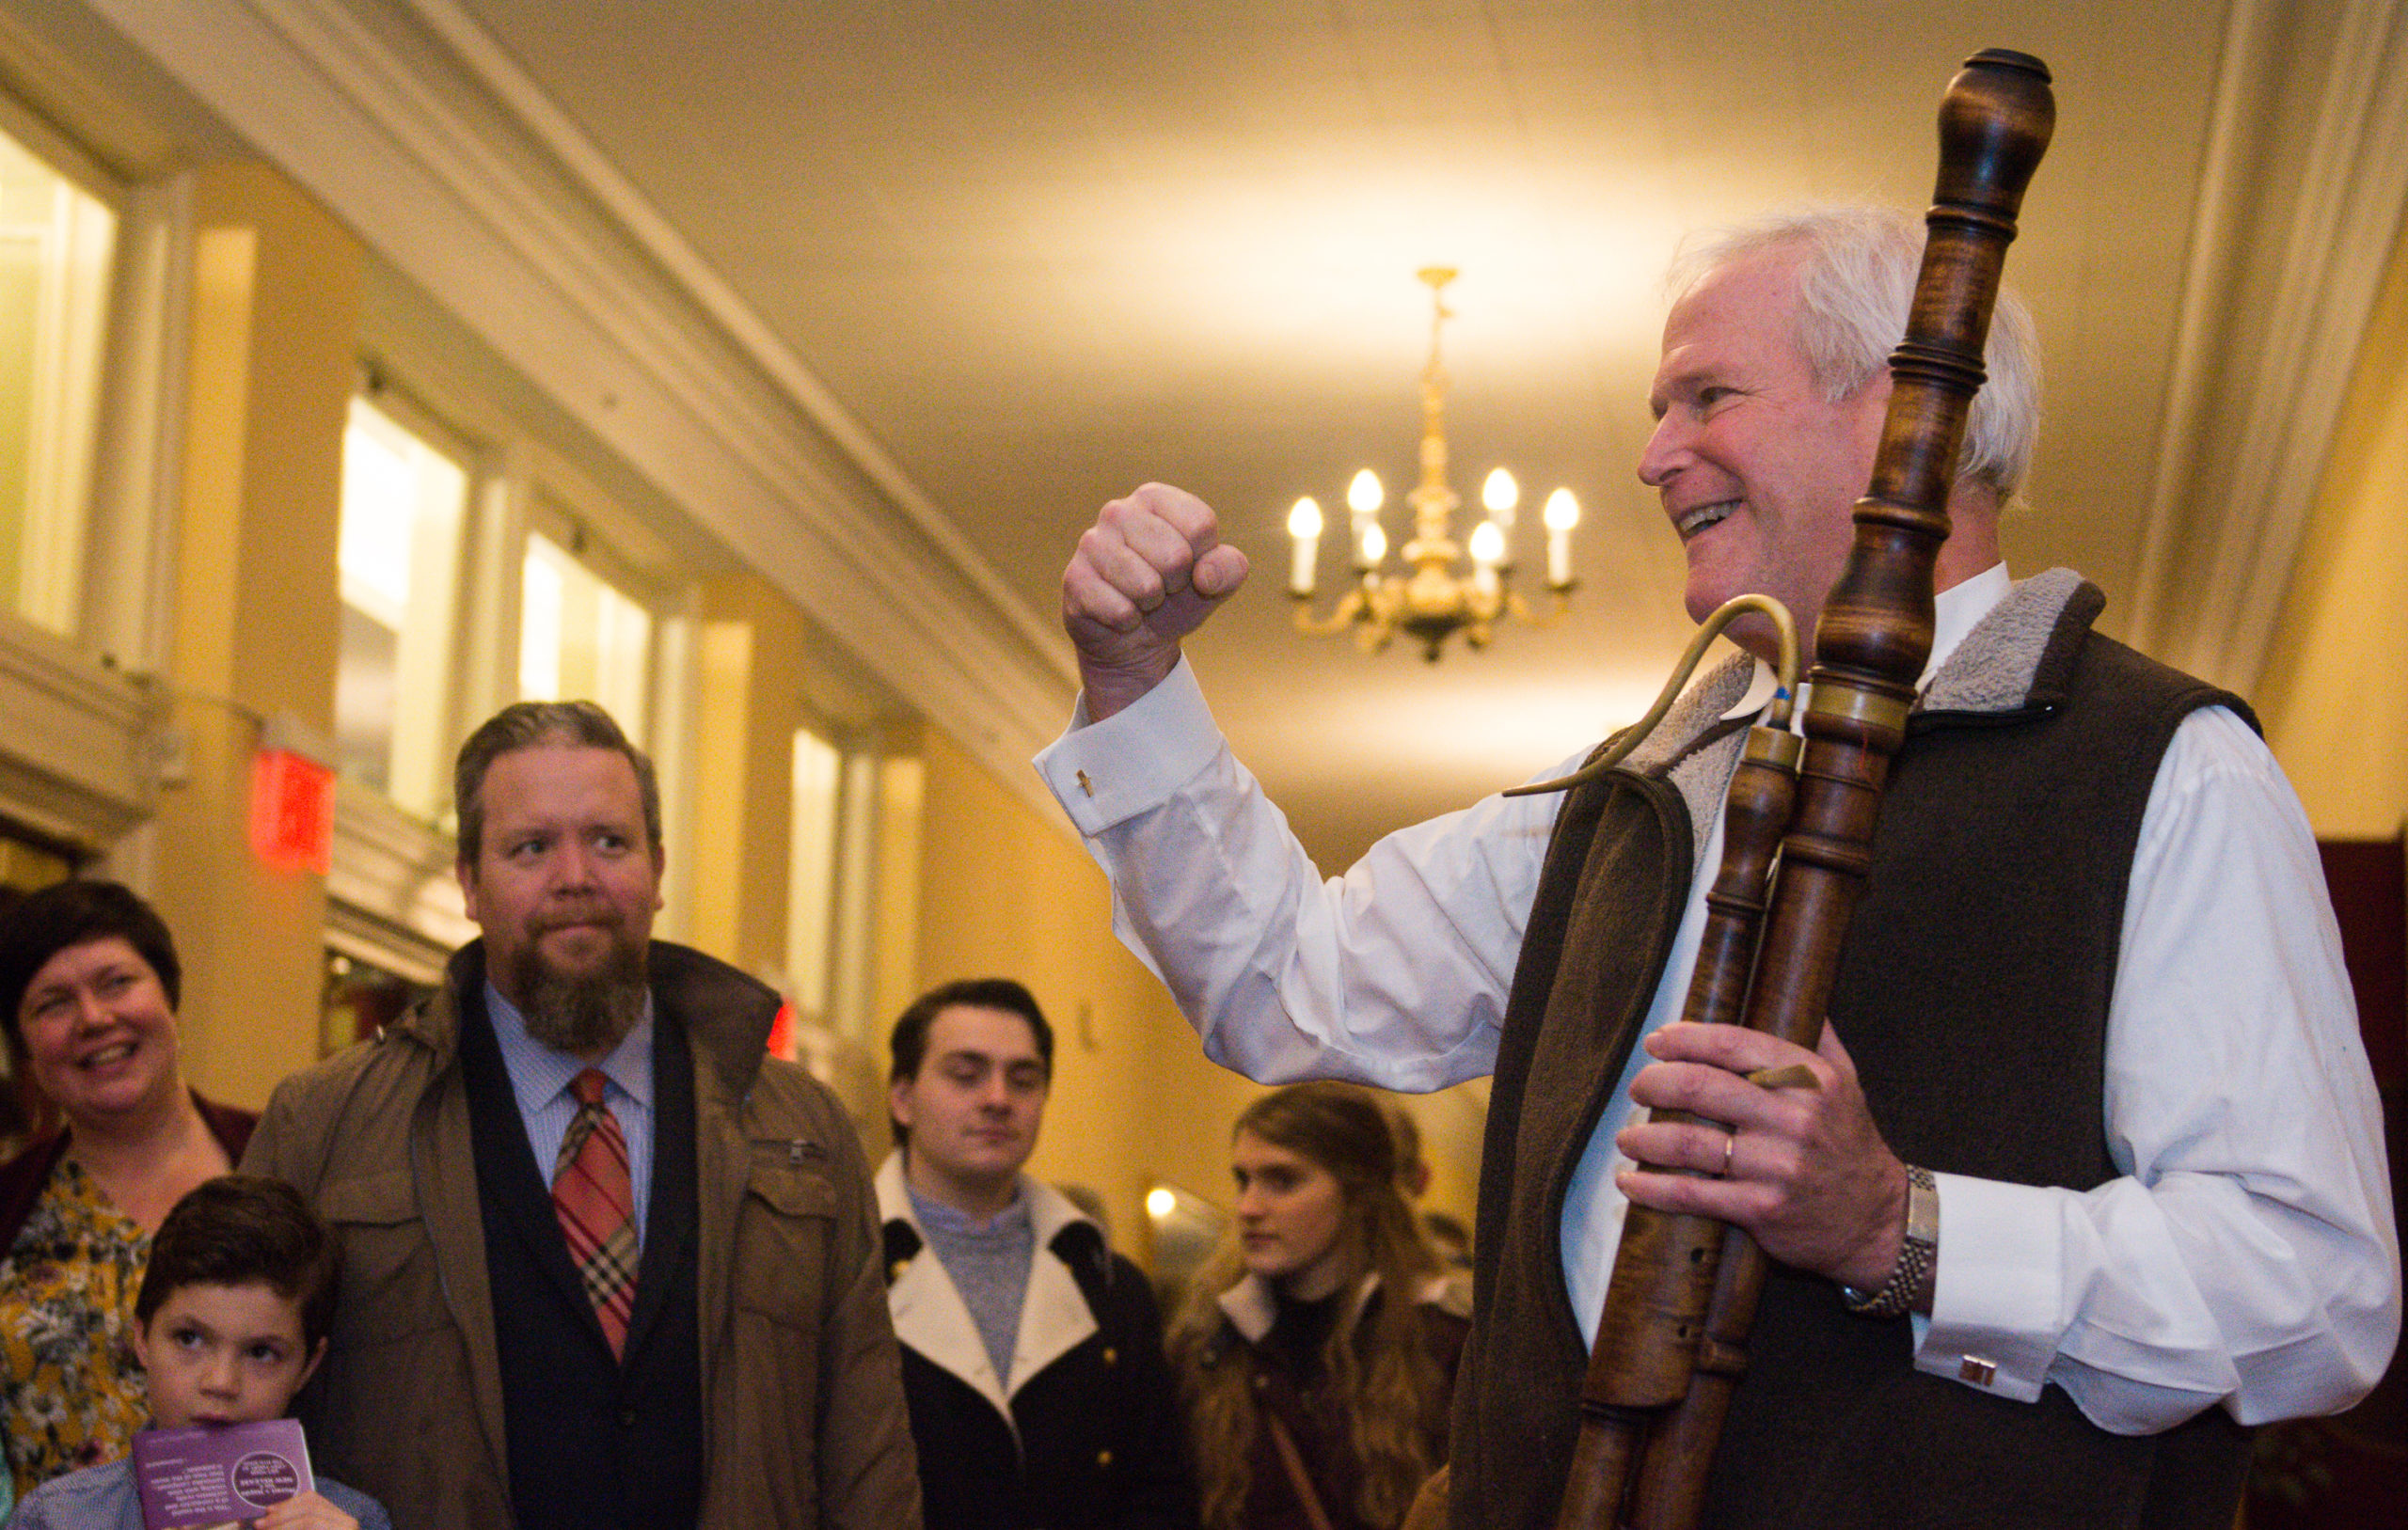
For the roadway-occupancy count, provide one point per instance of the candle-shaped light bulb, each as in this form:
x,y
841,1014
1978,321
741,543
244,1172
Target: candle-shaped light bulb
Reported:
x,y
1304,527
1363,500
1499,496
1563,512
1364,496
1487,551
1487,545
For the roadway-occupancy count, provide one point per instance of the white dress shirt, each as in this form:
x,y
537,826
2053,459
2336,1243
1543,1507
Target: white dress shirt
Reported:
x,y
2247,1258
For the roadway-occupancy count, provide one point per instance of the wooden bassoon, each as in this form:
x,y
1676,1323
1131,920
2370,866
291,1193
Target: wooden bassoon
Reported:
x,y
1670,1346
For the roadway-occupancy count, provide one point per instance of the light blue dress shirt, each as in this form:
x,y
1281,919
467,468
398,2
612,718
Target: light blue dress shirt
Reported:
x,y
539,1079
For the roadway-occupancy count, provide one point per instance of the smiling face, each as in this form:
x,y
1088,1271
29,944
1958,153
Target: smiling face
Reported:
x,y
224,1354
1291,1218
100,1037
973,1108
1758,472
565,885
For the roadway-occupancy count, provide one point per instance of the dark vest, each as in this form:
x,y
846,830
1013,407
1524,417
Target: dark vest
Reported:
x,y
593,1442
1973,992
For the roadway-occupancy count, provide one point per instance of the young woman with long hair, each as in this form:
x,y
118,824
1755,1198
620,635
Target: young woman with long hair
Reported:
x,y
1316,1360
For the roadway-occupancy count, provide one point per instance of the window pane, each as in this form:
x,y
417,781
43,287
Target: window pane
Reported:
x,y
581,637
541,606
811,892
402,504
55,245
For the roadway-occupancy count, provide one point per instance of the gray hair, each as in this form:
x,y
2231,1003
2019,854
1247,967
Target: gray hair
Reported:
x,y
1856,280
525,725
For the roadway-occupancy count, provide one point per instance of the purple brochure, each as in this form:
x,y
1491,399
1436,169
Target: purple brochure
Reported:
x,y
218,1476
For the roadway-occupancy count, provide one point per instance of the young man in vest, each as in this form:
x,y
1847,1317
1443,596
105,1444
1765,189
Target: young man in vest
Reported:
x,y
2090,1174
604,1261
1031,1354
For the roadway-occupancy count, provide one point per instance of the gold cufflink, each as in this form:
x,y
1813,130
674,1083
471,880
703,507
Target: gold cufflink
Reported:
x,y
1085,785
1975,1369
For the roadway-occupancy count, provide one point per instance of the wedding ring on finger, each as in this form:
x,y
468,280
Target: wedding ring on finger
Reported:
x,y
1728,1142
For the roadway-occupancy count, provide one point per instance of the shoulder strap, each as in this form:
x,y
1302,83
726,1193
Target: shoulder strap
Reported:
x,y
1294,1460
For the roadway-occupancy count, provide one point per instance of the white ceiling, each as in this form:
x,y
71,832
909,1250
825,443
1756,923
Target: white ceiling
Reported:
x,y
1014,257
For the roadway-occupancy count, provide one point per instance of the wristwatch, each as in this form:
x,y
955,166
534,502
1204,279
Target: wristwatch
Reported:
x,y
1918,1252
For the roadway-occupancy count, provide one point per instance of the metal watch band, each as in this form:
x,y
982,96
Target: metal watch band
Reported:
x,y
1917,1250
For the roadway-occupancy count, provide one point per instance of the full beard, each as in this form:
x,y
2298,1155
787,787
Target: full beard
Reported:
x,y
582,1012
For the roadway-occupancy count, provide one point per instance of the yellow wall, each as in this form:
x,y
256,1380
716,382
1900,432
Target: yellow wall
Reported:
x,y
275,317
1008,893
2334,717
743,765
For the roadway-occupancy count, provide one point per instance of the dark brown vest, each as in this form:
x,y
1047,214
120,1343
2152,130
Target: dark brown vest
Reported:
x,y
1973,993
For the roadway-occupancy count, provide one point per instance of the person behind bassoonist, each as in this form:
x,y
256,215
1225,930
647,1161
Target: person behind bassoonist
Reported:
x,y
2093,990
1315,1350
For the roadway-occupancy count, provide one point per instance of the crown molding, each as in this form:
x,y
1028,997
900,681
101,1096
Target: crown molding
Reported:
x,y
81,760
391,875
2287,254
415,132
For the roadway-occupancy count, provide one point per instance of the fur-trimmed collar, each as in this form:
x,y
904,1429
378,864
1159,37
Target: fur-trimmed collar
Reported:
x,y
2018,657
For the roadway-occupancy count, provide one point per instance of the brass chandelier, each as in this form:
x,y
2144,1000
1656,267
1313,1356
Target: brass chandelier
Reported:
x,y
1432,601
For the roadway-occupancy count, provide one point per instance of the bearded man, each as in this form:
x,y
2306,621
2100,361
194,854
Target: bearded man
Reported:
x,y
604,1261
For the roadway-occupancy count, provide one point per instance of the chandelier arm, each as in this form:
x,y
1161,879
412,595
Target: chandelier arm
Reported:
x,y
1351,608
1559,605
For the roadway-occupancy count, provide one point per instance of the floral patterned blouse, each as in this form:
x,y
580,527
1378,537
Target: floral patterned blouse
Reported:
x,y
71,1390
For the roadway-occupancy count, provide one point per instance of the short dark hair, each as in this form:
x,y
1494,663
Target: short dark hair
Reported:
x,y
241,1229
909,1041
526,725
76,913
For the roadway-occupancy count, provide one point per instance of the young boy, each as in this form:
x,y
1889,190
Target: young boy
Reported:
x,y
233,1314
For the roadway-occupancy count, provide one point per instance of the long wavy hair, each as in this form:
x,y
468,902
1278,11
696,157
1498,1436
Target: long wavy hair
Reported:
x,y
1378,1364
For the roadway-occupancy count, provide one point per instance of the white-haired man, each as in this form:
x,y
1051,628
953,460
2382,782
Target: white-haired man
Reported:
x,y
2092,994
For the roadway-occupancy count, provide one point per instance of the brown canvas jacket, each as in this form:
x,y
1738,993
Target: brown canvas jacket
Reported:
x,y
803,1424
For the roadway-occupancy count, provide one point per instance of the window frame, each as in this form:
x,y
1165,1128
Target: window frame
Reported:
x,y
438,436
87,747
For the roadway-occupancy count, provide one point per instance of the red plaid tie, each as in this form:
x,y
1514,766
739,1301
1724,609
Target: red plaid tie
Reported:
x,y
596,1207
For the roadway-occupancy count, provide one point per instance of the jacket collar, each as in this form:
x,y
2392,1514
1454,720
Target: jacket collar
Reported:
x,y
1251,1308
1049,1211
933,1321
